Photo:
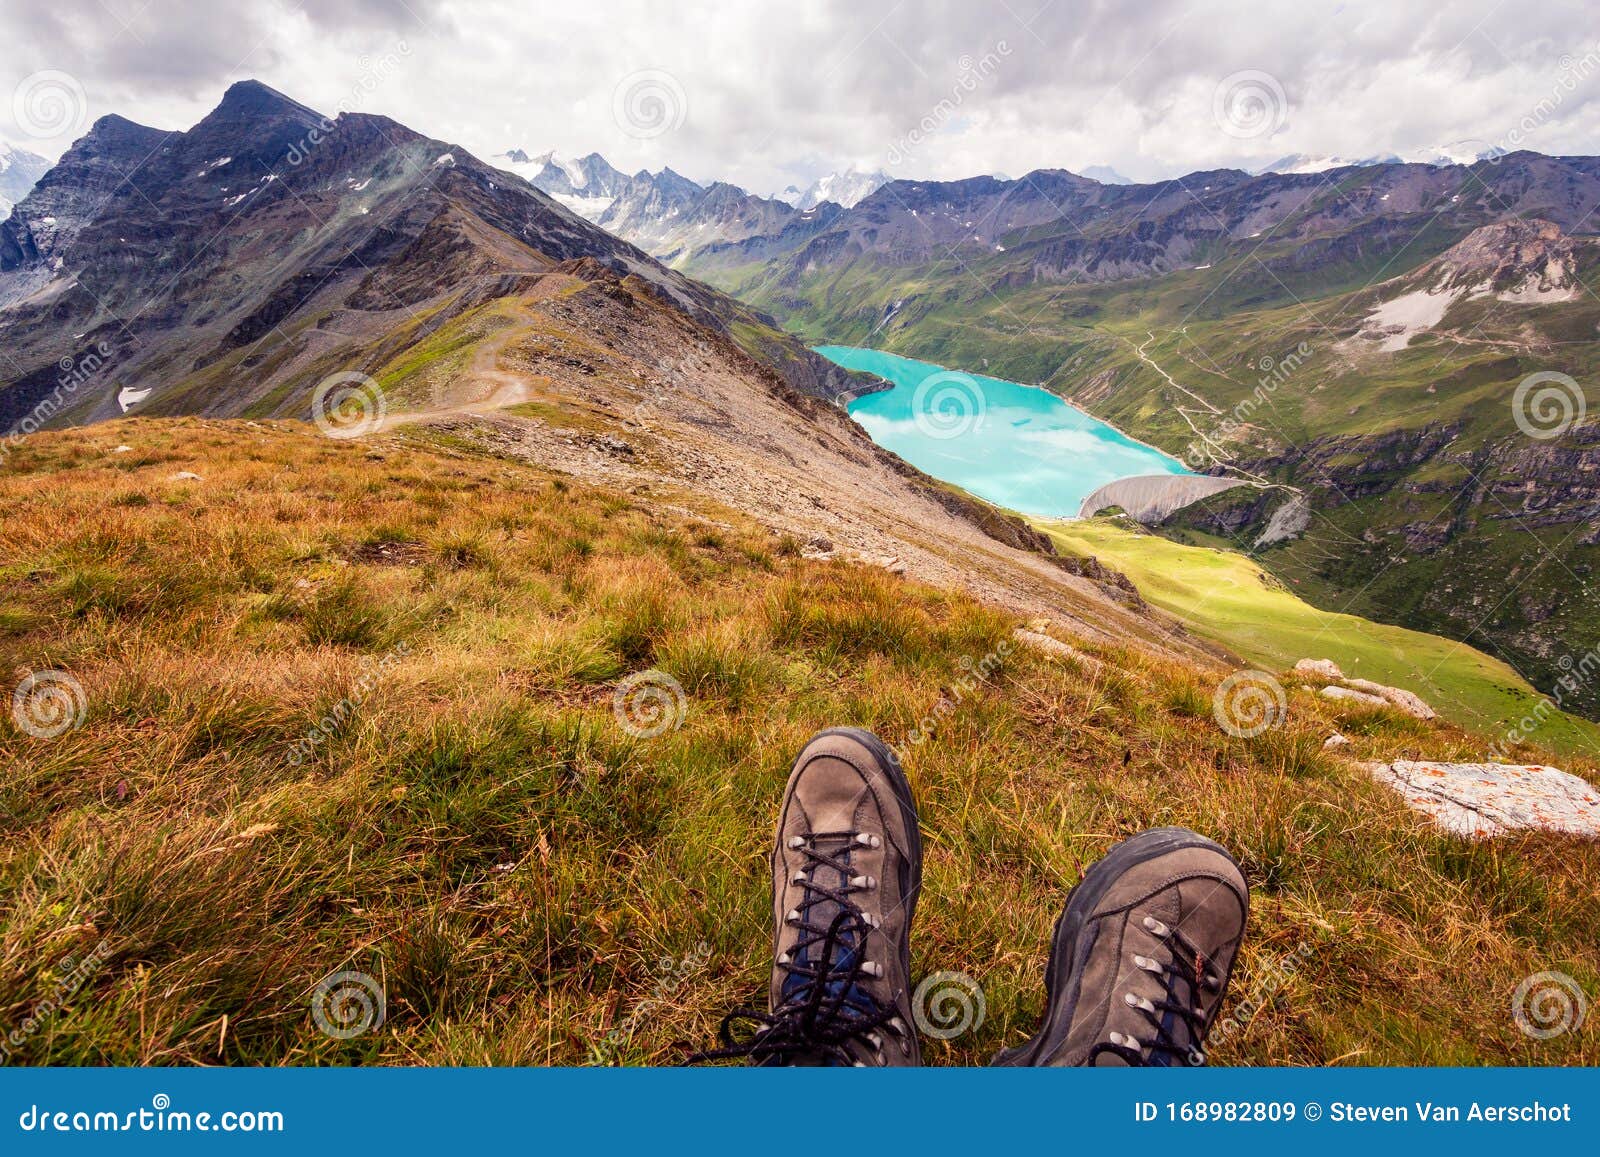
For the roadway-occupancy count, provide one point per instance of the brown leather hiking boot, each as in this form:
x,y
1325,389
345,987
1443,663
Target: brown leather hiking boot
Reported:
x,y
1141,955
846,870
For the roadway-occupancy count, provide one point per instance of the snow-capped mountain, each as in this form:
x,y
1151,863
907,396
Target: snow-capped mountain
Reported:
x,y
1453,153
845,189
664,213
587,185
19,170
1309,163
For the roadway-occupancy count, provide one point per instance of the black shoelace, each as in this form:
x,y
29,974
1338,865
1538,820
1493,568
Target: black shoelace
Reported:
x,y
826,1009
1190,969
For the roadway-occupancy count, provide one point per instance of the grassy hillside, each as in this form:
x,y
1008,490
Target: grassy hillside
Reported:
x,y
531,882
1227,597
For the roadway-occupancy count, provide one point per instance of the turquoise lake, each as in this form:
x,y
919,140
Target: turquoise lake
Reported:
x,y
1017,446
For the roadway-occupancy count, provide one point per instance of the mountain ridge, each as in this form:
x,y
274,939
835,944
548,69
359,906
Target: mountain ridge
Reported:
x,y
236,238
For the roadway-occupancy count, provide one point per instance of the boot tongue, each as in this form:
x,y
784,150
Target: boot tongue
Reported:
x,y
1174,1028
822,915
841,997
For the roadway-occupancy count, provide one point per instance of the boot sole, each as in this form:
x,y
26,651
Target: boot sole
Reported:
x,y
1081,903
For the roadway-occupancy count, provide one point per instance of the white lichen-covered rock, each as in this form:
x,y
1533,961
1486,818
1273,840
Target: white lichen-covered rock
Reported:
x,y
1489,799
1351,695
1335,740
1319,669
1408,702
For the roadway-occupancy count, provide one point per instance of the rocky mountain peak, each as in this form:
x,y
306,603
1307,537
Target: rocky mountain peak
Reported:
x,y
250,100
1518,257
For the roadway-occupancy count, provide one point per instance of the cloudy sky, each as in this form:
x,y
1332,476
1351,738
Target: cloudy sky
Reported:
x,y
765,94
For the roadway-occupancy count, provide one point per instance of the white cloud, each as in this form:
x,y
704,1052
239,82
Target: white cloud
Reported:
x,y
777,92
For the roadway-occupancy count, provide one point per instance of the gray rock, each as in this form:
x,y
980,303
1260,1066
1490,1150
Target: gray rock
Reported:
x,y
1490,799
1353,696
1320,668
1409,703
1287,522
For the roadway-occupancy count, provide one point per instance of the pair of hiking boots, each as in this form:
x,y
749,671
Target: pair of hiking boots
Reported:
x,y
1139,960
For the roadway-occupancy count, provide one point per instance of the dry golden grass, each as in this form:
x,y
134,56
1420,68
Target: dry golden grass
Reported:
x,y
531,883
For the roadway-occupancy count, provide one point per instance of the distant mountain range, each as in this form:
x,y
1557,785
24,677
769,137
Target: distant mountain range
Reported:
x,y
1455,153
671,216
19,170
